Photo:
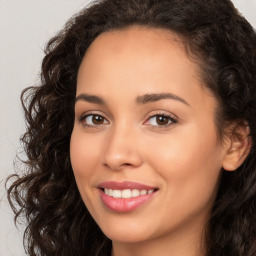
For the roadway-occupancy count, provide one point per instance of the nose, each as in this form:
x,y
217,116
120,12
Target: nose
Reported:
x,y
121,149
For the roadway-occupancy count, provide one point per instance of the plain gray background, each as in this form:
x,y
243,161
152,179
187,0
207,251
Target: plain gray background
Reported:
x,y
25,27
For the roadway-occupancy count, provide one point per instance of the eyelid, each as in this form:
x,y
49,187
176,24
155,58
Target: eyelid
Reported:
x,y
84,115
173,118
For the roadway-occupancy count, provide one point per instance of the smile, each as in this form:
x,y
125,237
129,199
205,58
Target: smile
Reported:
x,y
125,196
127,193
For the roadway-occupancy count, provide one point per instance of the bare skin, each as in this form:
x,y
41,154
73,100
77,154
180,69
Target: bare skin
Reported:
x,y
169,143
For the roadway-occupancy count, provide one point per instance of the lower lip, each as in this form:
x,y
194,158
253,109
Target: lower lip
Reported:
x,y
124,204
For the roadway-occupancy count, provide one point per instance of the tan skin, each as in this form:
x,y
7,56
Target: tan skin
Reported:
x,y
170,143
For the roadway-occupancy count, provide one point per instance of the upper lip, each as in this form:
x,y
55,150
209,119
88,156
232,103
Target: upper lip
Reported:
x,y
125,185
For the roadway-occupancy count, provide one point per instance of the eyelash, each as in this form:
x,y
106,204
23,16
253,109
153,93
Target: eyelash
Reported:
x,y
171,120
84,116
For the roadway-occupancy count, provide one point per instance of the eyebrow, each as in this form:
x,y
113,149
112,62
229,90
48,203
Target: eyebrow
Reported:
x,y
147,98
90,98
140,100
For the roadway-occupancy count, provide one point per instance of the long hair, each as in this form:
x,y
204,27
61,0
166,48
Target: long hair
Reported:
x,y
218,39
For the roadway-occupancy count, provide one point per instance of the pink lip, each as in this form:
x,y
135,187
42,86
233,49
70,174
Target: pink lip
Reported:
x,y
124,185
124,205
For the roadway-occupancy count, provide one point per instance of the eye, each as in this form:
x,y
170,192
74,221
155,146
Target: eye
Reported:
x,y
93,120
161,120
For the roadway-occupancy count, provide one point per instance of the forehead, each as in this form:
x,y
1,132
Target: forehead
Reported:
x,y
137,48
137,36
139,41
151,60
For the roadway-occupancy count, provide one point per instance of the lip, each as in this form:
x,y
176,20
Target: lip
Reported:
x,y
125,185
125,205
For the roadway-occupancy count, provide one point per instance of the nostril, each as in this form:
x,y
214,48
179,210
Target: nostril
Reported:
x,y
120,160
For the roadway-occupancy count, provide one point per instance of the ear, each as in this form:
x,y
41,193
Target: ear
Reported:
x,y
238,147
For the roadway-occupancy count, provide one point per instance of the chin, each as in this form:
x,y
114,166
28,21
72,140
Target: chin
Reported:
x,y
126,237
132,233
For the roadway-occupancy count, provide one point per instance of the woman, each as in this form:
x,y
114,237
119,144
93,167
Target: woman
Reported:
x,y
141,137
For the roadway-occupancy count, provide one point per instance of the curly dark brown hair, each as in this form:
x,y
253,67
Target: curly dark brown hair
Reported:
x,y
223,44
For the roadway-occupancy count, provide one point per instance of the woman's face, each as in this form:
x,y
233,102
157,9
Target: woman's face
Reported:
x,y
144,147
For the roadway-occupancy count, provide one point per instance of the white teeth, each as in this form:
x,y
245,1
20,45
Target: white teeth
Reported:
x,y
143,192
117,193
135,192
127,193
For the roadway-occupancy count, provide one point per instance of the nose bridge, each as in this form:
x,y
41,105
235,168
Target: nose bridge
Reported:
x,y
121,147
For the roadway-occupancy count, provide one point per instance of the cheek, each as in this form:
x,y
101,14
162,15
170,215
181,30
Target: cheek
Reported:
x,y
189,162
76,149
83,159
83,152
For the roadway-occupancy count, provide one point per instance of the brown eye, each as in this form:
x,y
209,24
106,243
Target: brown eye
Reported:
x,y
93,120
97,119
162,120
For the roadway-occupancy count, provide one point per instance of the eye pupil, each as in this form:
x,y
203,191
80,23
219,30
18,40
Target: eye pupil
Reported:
x,y
162,120
97,119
